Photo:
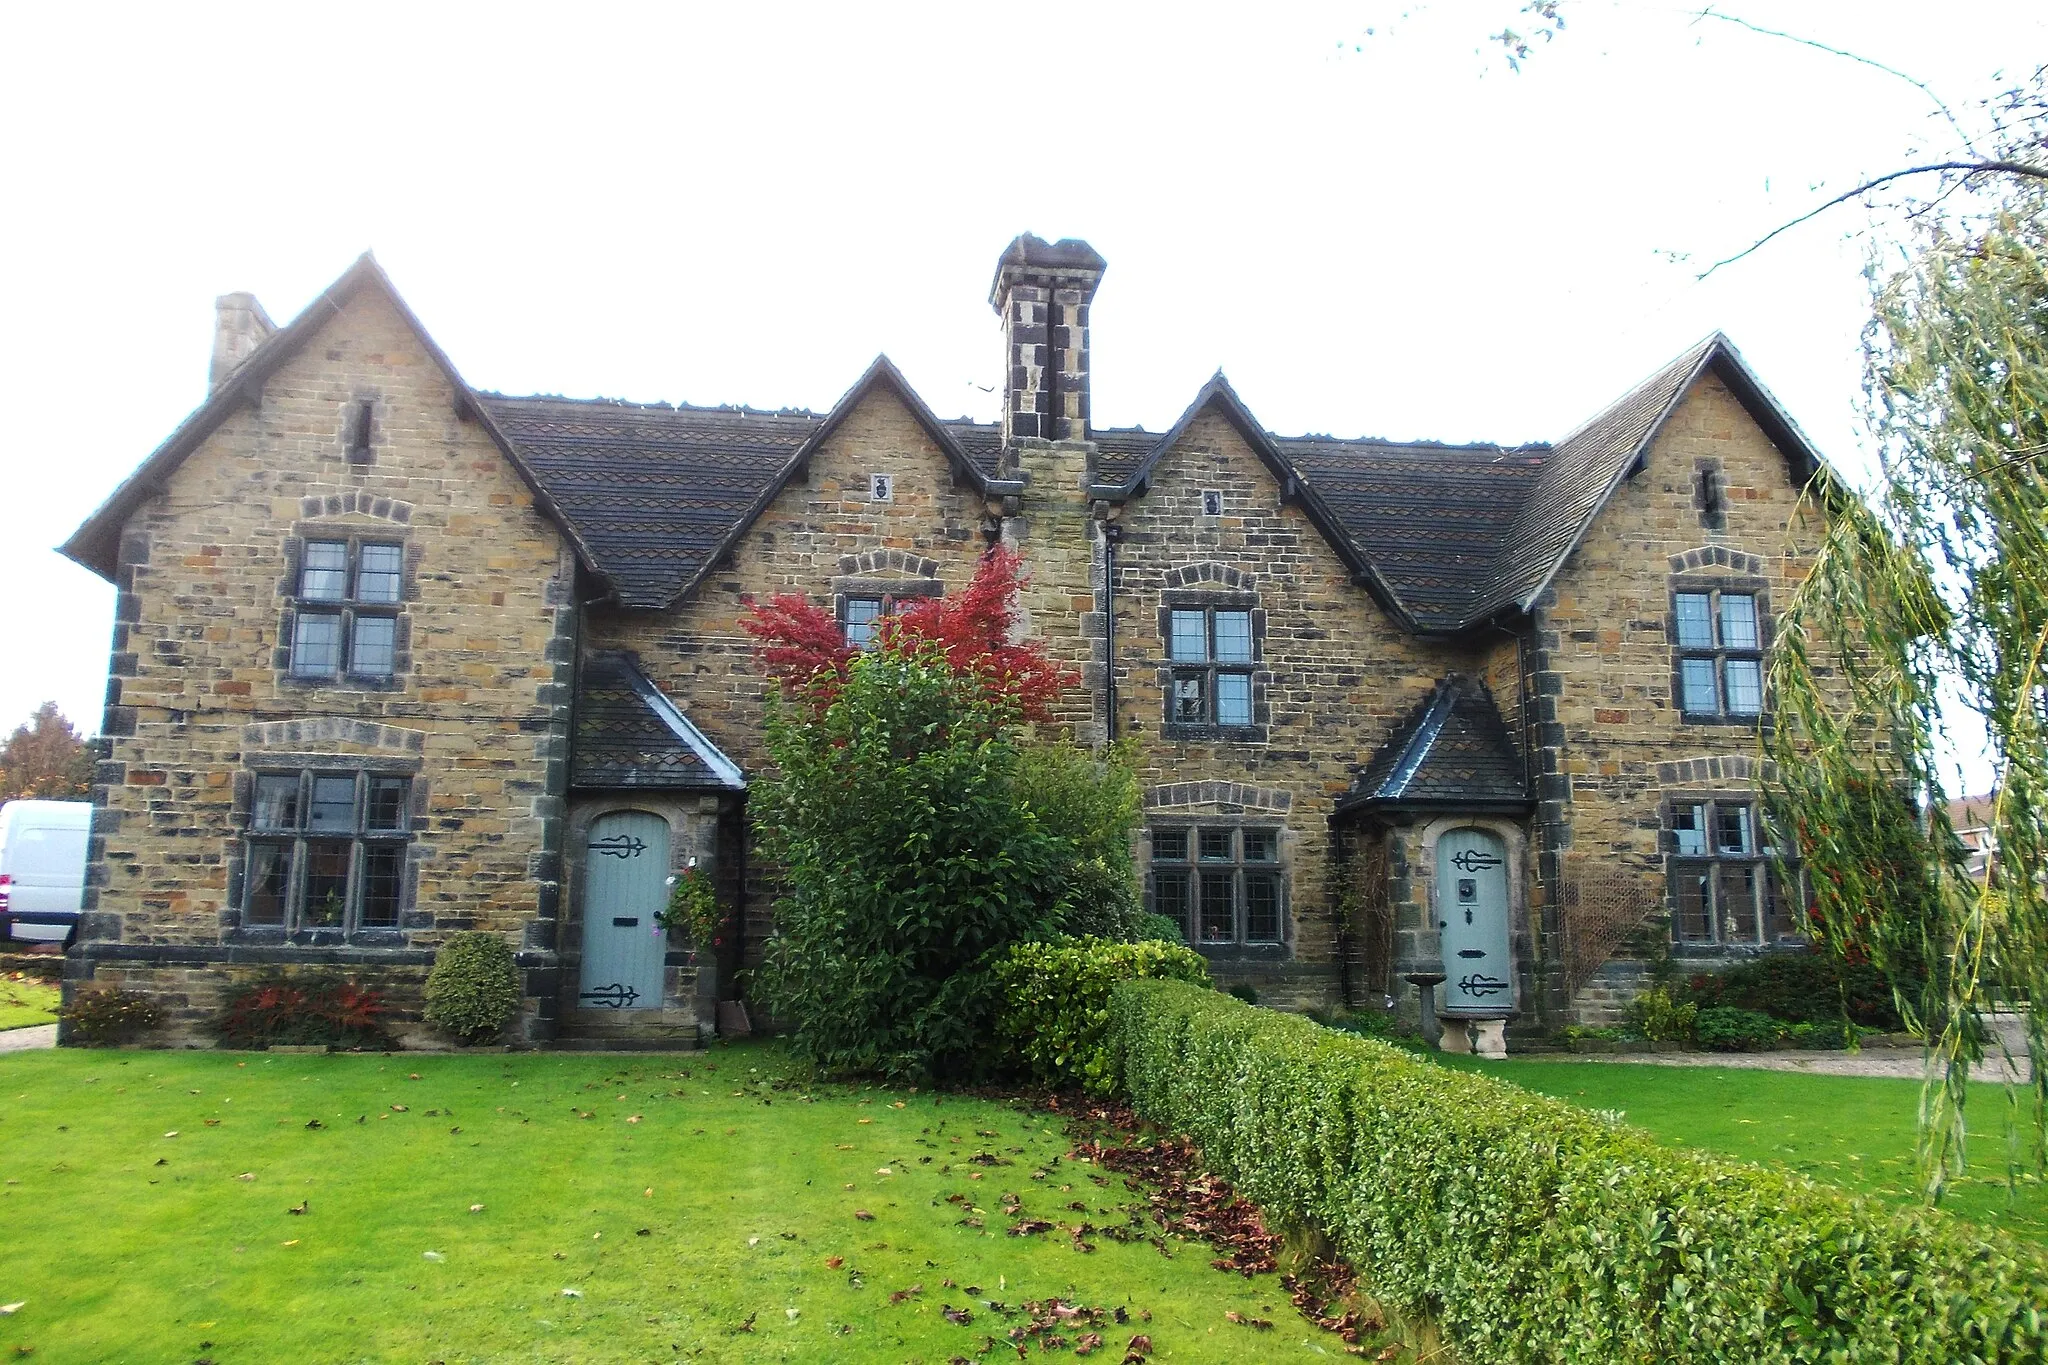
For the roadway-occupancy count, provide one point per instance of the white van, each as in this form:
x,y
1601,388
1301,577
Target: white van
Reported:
x,y
42,863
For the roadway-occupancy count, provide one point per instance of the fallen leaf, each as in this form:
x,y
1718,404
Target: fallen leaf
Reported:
x,y
902,1294
304,1206
572,1293
643,1232
292,1243
476,1208
748,1325
865,1120
172,1133
8,1310
883,1170
398,1109
414,1076
959,1317
647,1193
633,1118
863,1215
310,1123
432,1256
163,1161
212,1123
843,1147
246,1175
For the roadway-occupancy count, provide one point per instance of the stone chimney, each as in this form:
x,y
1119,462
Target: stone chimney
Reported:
x,y
240,325
1043,290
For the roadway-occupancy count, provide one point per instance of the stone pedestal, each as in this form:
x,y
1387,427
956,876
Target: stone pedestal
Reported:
x,y
1479,1037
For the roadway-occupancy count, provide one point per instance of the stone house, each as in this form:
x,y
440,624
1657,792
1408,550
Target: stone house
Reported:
x,y
393,657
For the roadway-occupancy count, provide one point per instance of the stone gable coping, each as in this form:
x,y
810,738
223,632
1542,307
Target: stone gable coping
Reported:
x,y
1208,571
888,561
1172,795
356,501
1718,557
277,734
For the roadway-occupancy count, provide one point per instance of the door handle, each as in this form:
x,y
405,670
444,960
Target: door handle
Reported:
x,y
625,921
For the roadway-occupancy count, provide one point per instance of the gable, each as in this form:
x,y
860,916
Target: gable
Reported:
x,y
96,543
664,494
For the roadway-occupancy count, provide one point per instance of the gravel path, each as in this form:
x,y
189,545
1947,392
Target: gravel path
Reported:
x,y
1900,1062
26,1039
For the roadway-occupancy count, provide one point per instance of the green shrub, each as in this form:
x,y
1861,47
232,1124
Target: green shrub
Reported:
x,y
1156,929
106,1016
1245,991
1723,1028
909,865
304,1011
473,991
1660,1018
1055,1002
1534,1231
1087,805
1802,988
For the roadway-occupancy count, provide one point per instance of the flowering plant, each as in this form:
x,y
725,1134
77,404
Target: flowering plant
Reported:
x,y
693,905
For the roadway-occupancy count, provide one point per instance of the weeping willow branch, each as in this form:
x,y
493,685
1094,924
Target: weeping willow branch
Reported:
x,y
1935,594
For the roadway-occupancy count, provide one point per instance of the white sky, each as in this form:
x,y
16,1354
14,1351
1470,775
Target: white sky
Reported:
x,y
1388,235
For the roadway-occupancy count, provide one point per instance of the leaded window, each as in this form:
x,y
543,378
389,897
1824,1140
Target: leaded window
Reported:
x,y
1724,888
326,850
345,622
1211,651
1719,640
1222,884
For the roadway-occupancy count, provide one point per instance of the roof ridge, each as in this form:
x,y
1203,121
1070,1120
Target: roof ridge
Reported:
x,y
658,405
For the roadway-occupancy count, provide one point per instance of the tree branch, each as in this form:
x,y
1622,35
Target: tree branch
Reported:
x,y
2024,170
1711,13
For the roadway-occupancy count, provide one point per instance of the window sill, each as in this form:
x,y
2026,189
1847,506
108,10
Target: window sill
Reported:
x,y
1716,718
272,936
353,682
1223,734
1227,953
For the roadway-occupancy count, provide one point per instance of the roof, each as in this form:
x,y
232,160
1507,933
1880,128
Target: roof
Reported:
x,y
1453,751
96,543
1450,537
653,497
630,735
1589,464
661,494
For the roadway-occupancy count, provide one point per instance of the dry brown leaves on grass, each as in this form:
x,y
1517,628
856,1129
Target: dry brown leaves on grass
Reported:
x,y
1187,1201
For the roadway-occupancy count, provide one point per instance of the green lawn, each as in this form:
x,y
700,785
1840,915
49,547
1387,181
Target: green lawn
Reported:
x,y
1848,1130
556,1207
26,1002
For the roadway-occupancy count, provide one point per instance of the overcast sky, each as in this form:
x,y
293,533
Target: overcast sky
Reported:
x,y
1381,234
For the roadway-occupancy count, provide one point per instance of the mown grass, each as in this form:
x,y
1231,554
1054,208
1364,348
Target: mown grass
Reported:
x,y
1853,1131
26,1001
691,1202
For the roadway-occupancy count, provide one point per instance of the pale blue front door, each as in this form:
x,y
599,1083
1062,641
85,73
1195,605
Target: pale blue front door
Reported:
x,y
1472,918
625,885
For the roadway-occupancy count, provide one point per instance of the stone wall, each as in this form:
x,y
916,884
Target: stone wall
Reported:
x,y
1604,634
201,693
1334,675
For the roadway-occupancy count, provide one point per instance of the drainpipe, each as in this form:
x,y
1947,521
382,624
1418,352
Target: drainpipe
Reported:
x,y
1112,536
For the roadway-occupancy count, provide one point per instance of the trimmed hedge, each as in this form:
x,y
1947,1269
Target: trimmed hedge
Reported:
x,y
1055,1001
1531,1230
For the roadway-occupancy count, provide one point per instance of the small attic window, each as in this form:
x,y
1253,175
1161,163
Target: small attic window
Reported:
x,y
1212,502
356,436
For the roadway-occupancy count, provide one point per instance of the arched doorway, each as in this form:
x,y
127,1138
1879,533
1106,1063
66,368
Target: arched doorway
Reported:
x,y
1472,919
625,885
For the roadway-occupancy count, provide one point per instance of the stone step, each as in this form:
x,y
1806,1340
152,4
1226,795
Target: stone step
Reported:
x,y
628,1031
